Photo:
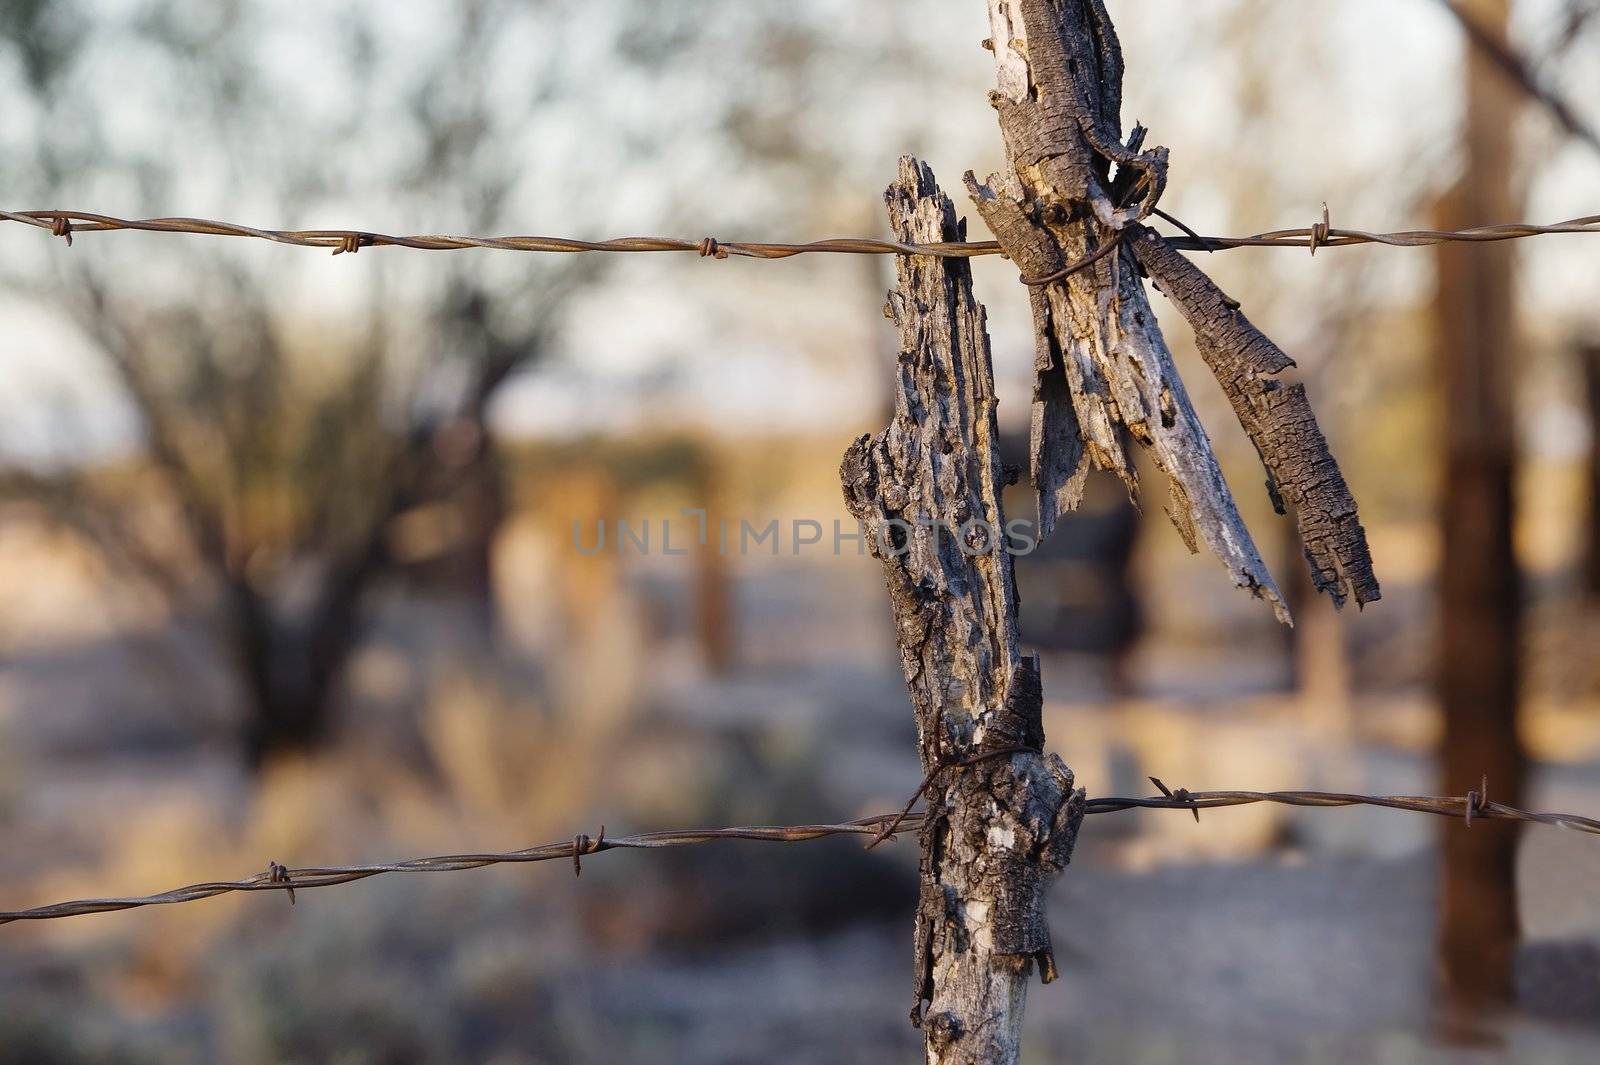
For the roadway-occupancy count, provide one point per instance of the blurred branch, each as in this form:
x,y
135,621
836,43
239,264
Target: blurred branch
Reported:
x,y
124,348
71,501
1579,12
1515,67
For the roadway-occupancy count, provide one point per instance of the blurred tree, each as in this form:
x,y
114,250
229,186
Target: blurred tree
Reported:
x,y
1479,588
312,463
308,463
715,631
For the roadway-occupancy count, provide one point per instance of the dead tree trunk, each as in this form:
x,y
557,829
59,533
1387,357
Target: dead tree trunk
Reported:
x,y
1478,666
1002,816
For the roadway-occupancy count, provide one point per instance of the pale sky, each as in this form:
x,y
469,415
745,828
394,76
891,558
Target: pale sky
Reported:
x,y
1360,98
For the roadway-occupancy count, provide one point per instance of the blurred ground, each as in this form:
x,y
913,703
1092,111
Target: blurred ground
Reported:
x,y
1262,934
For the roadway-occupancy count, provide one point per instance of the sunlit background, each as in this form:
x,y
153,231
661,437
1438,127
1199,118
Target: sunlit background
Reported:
x,y
288,568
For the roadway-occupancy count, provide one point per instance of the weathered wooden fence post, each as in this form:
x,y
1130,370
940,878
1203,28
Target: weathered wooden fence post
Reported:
x,y
1002,816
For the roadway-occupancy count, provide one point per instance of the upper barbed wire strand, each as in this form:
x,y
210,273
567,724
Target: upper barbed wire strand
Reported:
x,y
70,223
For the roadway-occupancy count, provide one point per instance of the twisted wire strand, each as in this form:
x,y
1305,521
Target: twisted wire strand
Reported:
x,y
1410,238
280,878
1443,806
340,241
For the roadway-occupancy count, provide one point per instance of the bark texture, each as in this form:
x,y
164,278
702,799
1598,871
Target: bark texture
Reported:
x,y
1301,470
1002,816
1104,373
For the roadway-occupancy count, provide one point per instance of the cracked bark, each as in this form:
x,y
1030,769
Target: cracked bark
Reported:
x,y
1301,470
927,490
1104,372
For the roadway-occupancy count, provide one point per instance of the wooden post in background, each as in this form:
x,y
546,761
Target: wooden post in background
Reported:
x,y
1479,639
1002,816
1589,357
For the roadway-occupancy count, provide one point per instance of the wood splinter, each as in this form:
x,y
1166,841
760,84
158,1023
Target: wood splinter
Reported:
x,y
1104,372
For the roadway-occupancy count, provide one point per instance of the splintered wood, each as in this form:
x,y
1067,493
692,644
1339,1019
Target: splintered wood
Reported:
x,y
1002,816
1104,372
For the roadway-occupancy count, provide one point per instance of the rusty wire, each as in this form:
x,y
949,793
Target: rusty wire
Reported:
x,y
281,878
340,241
1475,804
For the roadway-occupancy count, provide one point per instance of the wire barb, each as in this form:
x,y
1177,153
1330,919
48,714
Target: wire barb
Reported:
x,y
1321,231
1478,801
277,874
582,844
350,243
1180,796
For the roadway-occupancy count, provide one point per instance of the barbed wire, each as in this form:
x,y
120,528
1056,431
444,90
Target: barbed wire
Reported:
x,y
340,241
276,877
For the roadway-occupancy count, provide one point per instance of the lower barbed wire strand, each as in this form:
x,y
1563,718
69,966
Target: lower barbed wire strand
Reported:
x,y
280,878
